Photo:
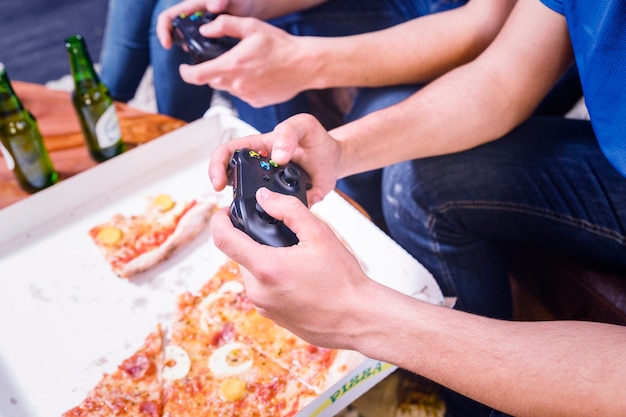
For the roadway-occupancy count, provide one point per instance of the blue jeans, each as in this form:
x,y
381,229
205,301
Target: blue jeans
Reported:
x,y
336,18
130,45
546,185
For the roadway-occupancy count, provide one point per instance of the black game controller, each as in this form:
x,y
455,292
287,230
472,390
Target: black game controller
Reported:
x,y
250,170
185,33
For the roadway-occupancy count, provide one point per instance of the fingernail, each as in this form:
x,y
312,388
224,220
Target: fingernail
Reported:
x,y
264,192
279,155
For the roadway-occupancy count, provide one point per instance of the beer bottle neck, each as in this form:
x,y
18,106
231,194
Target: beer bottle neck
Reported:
x,y
9,101
80,61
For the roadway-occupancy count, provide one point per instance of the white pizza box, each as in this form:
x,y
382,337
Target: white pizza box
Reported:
x,y
65,318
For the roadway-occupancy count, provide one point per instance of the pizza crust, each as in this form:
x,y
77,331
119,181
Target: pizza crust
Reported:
x,y
189,226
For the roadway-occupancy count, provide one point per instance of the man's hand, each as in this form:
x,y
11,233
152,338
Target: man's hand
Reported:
x,y
301,139
295,285
268,66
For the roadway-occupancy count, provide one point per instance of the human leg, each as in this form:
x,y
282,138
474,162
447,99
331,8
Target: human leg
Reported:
x,y
546,184
174,96
125,54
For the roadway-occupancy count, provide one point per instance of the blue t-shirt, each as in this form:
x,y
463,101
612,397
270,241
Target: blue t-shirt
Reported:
x,y
598,33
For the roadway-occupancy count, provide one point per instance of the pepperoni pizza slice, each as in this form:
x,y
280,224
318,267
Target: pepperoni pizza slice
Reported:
x,y
210,371
227,314
133,389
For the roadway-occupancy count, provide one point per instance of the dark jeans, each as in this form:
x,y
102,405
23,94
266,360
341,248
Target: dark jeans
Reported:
x,y
130,45
546,184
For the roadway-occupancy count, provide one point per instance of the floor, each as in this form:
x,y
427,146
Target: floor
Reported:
x,y
32,35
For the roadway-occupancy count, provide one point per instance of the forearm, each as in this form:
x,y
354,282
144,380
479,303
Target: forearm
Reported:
x,y
270,9
416,51
524,369
468,106
451,114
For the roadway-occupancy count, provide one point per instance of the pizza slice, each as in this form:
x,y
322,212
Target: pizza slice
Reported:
x,y
134,243
227,315
233,379
319,368
133,389
210,371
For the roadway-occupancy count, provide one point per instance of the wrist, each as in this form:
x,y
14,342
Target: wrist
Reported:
x,y
352,158
315,63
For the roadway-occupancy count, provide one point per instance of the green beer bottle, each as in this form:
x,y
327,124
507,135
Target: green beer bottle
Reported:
x,y
93,103
21,143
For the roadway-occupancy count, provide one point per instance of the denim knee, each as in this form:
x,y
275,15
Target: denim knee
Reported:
x,y
429,211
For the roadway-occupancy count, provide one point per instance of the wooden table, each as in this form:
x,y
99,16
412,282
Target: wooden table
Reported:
x,y
60,129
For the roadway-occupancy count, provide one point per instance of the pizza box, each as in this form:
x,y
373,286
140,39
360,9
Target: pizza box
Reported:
x,y
65,318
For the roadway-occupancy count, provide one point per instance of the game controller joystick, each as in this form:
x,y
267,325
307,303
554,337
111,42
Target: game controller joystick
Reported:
x,y
250,170
185,33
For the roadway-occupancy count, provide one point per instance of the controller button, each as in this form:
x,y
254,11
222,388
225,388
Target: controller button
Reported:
x,y
266,177
274,164
291,175
265,165
254,154
263,153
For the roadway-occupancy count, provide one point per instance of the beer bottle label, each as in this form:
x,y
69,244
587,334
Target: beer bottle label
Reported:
x,y
108,131
7,157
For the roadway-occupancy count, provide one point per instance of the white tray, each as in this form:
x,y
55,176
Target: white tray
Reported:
x,y
65,318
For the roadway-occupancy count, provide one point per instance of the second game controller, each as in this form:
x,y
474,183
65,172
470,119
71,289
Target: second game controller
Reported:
x,y
250,170
185,33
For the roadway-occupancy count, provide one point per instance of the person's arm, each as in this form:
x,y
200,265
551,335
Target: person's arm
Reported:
x,y
416,51
470,105
556,368
317,290
271,66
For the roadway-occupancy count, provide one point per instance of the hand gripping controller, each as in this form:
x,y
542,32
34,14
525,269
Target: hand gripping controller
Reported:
x,y
250,170
185,33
